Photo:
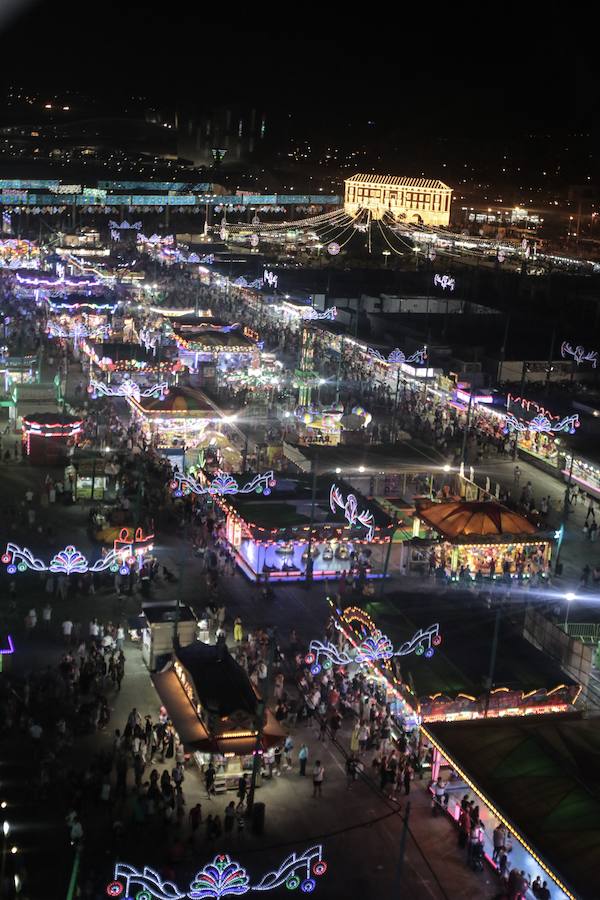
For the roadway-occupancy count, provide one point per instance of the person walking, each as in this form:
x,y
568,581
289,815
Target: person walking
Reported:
x,y
46,616
406,778
318,775
303,758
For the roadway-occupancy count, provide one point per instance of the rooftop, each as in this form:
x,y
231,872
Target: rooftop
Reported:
x,y
543,777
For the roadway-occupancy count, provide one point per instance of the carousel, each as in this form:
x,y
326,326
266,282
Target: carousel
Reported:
x,y
483,539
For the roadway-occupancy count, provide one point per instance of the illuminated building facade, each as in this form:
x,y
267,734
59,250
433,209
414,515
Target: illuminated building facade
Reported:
x,y
420,200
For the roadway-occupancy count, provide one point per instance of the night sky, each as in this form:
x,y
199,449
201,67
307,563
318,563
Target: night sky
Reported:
x,y
324,79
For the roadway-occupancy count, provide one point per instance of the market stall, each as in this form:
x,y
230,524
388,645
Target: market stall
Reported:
x,y
204,342
272,536
216,710
483,539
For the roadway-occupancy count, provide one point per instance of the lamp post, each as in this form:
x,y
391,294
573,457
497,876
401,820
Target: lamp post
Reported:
x,y
386,254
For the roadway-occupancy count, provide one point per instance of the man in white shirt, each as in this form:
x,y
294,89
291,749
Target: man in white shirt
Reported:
x,y
67,630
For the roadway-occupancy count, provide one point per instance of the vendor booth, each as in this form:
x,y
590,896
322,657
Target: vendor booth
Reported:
x,y
271,535
483,539
47,435
537,779
216,711
206,342
158,630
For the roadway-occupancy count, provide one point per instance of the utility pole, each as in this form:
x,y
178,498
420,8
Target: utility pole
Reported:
x,y
261,711
467,426
493,655
521,389
309,564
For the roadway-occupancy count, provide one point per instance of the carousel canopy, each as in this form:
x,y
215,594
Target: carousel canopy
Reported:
x,y
179,401
471,521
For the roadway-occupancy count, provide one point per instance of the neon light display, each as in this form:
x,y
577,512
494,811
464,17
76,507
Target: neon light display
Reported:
x,y
446,282
313,315
397,357
350,507
374,647
222,877
66,562
49,430
578,353
61,307
270,279
542,424
56,281
222,485
127,389
6,651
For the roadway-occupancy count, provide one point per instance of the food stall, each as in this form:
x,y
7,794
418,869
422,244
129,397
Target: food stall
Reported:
x,y
215,710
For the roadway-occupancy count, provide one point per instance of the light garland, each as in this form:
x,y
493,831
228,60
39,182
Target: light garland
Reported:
x,y
223,484
127,389
57,281
375,647
397,357
71,561
9,649
220,878
541,424
350,507
578,353
446,282
313,315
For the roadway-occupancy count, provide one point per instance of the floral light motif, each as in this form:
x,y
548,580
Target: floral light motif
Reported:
x,y
65,562
68,561
222,485
127,389
397,357
220,878
542,424
376,647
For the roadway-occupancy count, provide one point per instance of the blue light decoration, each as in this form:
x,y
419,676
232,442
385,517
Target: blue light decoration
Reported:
x,y
542,424
374,648
578,353
9,649
398,357
222,877
313,315
66,562
222,485
350,507
127,389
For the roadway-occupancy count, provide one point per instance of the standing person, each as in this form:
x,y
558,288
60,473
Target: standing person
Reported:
x,y
499,837
238,631
318,775
242,791
287,749
517,475
46,616
67,631
195,817
303,758
229,817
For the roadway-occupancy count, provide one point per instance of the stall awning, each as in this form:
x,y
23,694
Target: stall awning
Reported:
x,y
187,724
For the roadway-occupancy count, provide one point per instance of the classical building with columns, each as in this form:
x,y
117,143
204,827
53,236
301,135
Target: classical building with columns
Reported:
x,y
424,201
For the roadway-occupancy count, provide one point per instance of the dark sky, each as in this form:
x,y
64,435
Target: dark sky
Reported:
x,y
116,47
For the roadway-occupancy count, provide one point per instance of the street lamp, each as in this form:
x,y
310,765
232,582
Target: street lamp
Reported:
x,y
386,253
569,598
